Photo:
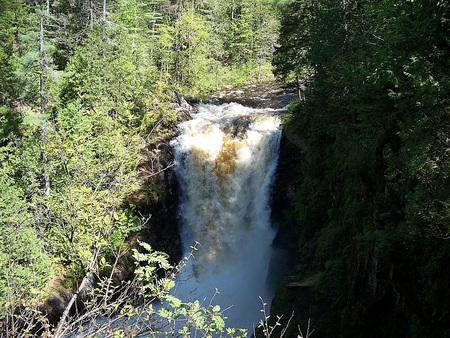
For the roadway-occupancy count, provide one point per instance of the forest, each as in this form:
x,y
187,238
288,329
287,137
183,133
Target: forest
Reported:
x,y
86,107
89,99
371,192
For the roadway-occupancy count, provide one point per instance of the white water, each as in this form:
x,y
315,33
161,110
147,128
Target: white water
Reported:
x,y
225,160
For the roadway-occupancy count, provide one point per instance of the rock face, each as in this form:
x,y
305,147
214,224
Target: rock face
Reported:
x,y
286,182
158,201
295,294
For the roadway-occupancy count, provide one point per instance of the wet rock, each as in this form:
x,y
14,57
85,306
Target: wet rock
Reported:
x,y
181,103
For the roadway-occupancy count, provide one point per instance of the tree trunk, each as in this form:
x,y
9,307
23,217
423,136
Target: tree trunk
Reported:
x,y
59,330
104,20
42,96
233,11
41,58
260,61
91,14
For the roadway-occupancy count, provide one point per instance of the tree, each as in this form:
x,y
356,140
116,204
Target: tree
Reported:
x,y
194,61
25,266
372,160
85,93
290,58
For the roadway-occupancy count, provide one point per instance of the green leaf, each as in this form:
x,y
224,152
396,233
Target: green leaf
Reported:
x,y
173,301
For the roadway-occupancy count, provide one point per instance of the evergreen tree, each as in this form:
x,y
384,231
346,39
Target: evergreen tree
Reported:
x,y
378,88
85,88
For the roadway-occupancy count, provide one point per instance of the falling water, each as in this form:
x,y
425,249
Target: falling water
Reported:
x,y
226,158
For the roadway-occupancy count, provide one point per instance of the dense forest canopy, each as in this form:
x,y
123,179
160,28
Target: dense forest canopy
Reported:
x,y
373,191
86,91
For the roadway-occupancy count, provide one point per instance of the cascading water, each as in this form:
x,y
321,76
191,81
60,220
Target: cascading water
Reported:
x,y
225,161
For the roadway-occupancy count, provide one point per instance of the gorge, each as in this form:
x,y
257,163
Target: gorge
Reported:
x,y
91,223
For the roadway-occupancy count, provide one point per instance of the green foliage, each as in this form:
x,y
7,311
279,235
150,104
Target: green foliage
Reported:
x,y
14,20
195,63
112,77
84,91
290,58
92,159
148,264
9,124
25,266
374,179
180,318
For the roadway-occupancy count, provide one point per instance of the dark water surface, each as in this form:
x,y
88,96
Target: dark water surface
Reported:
x,y
263,95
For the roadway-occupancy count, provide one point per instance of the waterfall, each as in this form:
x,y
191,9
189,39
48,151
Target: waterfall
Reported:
x,y
226,158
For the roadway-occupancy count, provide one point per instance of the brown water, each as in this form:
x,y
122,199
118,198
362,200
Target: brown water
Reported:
x,y
263,95
226,157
